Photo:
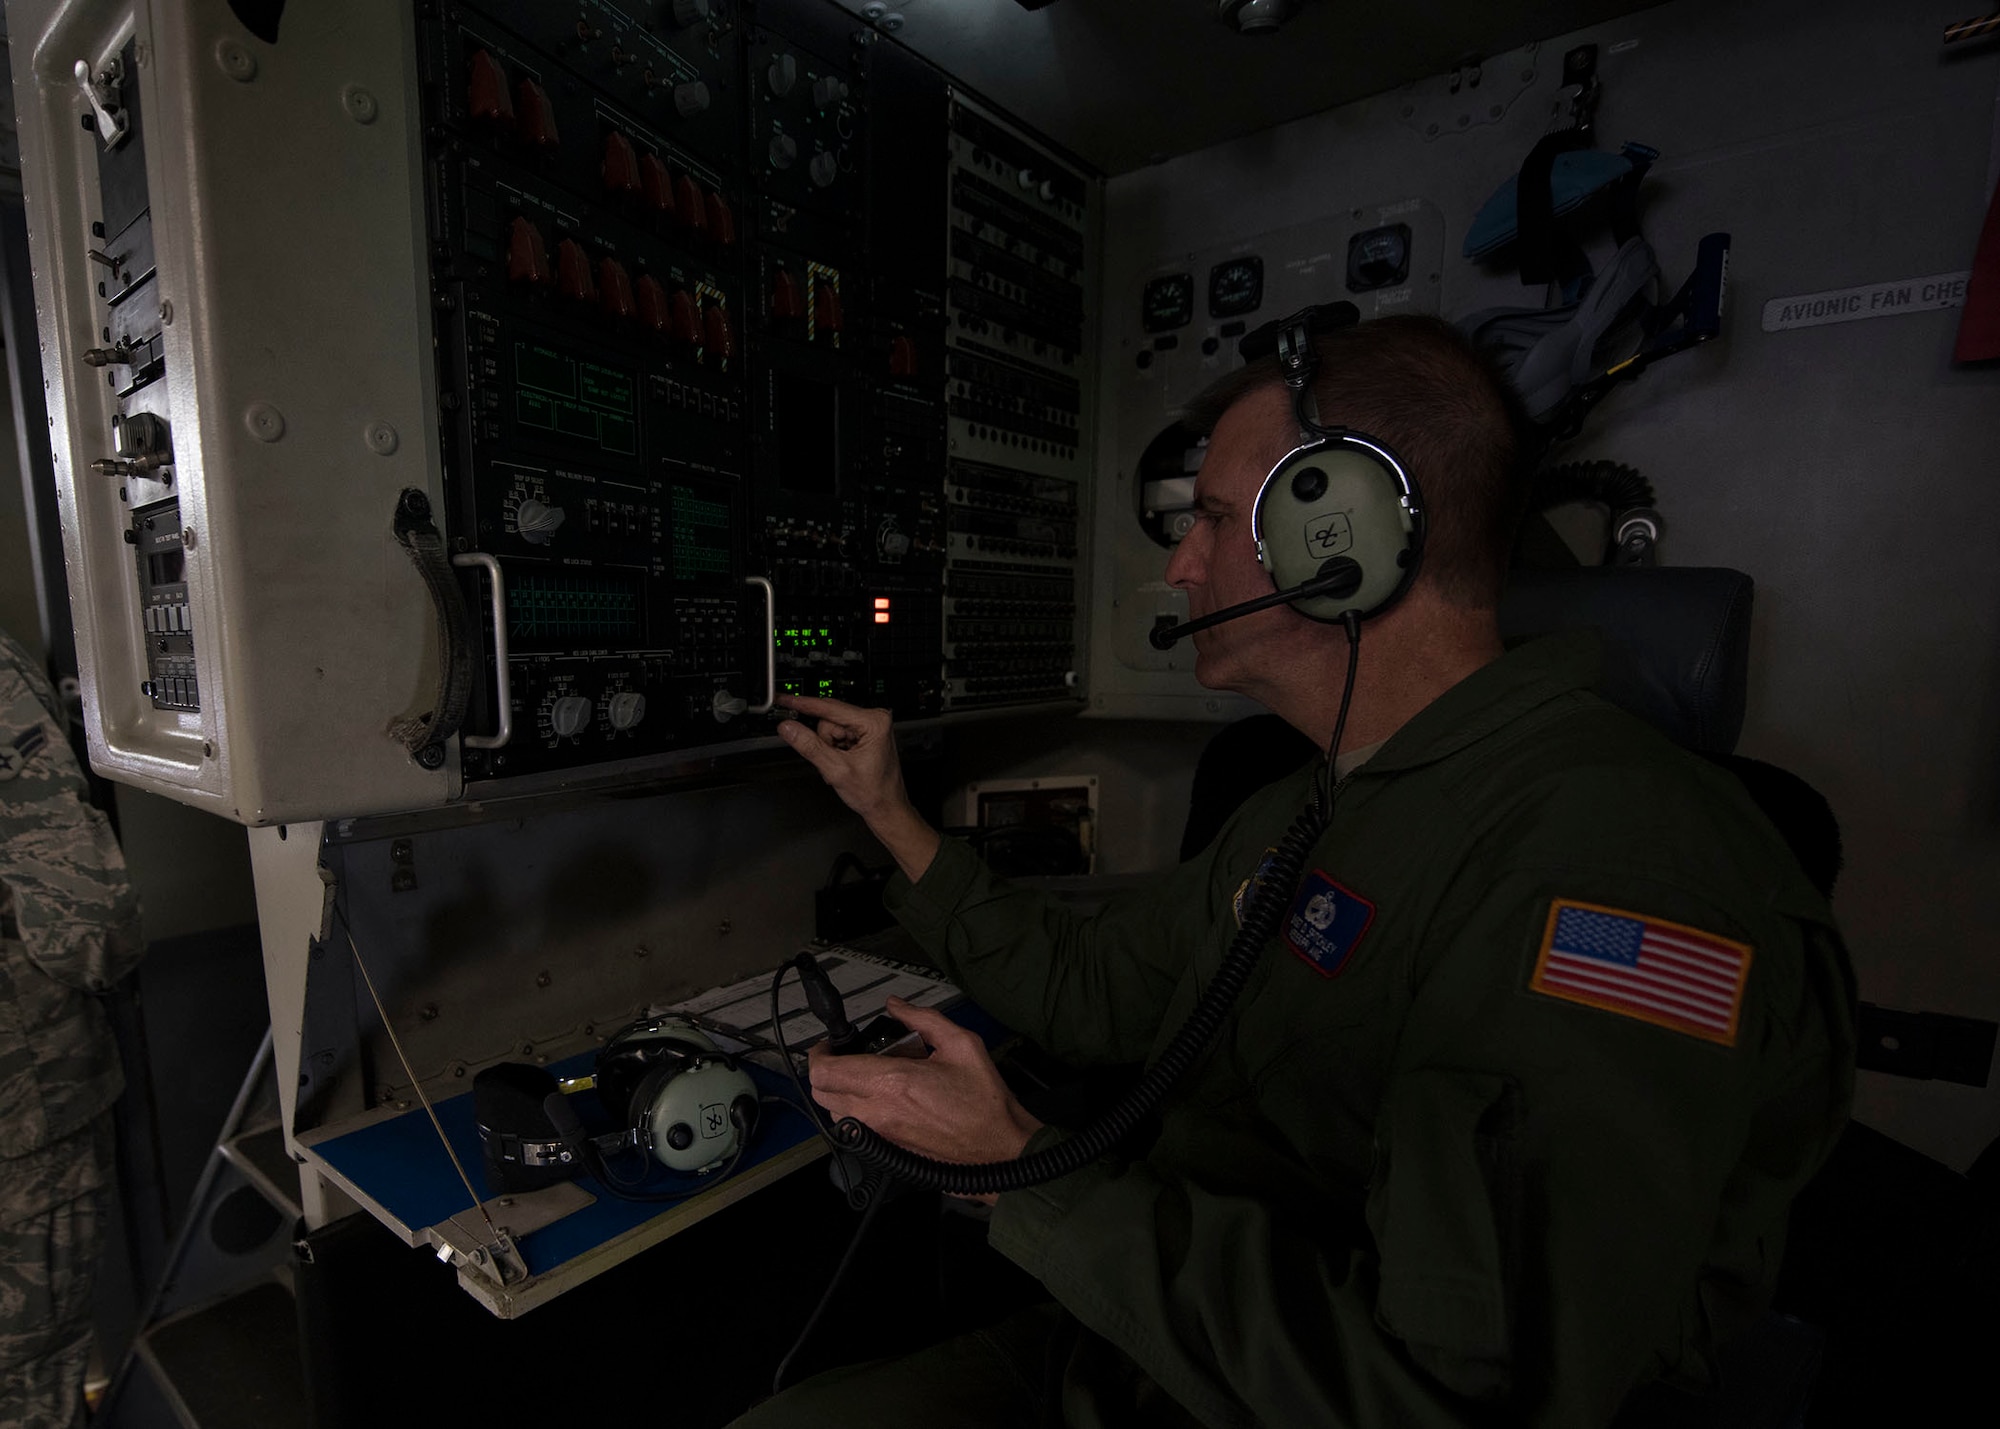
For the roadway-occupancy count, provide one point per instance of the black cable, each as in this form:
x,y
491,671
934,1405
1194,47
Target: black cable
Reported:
x,y
806,1103
826,1297
1261,912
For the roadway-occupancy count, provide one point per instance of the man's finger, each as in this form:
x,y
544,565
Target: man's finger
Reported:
x,y
825,709
795,733
933,1026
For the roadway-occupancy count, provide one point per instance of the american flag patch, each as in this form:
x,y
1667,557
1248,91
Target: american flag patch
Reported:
x,y
1665,973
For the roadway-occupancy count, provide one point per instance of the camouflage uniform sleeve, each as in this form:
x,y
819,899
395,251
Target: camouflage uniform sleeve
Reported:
x,y
63,890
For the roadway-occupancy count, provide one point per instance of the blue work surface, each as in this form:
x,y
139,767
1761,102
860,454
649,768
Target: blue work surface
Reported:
x,y
399,1164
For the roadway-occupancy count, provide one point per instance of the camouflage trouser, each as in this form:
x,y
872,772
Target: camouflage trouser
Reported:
x,y
48,1270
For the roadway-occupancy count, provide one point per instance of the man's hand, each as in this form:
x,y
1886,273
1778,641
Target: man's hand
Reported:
x,y
951,1105
855,752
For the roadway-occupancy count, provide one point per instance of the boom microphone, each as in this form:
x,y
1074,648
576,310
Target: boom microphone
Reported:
x,y
1338,577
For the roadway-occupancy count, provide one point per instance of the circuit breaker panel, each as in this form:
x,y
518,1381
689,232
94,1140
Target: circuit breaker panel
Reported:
x,y
545,396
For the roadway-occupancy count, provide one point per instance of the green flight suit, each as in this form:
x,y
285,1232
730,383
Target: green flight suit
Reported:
x,y
1405,1187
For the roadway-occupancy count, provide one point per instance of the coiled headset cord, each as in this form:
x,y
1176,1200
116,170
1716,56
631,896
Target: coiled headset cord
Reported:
x,y
1260,922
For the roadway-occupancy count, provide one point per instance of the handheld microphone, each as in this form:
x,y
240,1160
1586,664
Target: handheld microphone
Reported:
x,y
1338,577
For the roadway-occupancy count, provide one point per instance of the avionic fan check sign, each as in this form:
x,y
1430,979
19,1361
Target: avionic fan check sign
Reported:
x,y
1875,300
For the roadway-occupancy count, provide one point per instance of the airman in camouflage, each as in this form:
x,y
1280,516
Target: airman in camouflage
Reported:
x,y
68,931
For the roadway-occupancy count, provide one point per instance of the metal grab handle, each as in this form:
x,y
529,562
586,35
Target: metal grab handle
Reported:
x,y
770,643
503,685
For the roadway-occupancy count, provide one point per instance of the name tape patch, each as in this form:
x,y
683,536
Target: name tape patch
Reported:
x,y
1326,923
1668,974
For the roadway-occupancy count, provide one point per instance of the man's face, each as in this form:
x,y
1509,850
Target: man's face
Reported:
x,y
1216,563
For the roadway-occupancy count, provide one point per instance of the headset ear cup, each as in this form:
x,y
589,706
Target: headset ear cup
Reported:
x,y
640,1110
1342,498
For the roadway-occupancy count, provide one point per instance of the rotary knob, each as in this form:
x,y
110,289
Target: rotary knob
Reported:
x,y
569,716
691,98
784,151
783,74
689,13
829,90
537,521
625,709
824,169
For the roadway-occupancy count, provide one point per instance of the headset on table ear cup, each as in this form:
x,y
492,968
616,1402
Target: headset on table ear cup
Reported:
x,y
1331,500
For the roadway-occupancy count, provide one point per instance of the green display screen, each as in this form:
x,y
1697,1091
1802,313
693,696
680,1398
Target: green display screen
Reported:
x,y
575,399
701,536
574,608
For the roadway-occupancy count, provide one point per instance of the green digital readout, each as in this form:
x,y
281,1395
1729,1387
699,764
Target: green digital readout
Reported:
x,y
574,608
701,536
575,399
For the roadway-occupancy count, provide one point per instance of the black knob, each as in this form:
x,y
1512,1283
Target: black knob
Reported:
x,y
680,1136
1309,484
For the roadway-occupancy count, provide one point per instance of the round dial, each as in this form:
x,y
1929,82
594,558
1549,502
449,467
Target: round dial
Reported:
x,y
625,709
1169,302
537,521
569,715
1236,287
691,98
784,151
824,169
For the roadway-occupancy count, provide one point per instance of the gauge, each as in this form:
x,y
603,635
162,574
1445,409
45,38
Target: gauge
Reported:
x,y
1236,287
1169,302
1379,258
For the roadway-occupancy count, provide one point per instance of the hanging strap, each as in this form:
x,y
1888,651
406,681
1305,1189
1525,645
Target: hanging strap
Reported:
x,y
1547,253
424,735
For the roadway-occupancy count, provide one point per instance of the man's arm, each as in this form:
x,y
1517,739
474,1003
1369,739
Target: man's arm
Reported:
x,y
62,877
1565,1199
854,750
1092,990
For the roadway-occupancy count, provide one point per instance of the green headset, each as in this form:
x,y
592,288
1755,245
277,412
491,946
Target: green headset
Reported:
x,y
1340,512
1339,521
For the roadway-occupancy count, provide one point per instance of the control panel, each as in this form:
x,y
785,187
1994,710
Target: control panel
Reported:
x,y
1022,235
584,171
590,376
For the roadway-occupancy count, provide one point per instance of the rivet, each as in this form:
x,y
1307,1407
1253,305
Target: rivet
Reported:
x,y
359,104
381,438
238,63
166,314
266,423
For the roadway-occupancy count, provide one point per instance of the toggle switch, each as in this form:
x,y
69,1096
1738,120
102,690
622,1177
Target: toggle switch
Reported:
x,y
656,185
651,300
787,299
573,272
614,290
721,334
621,165
535,117
690,210
721,219
527,255
826,308
486,96
686,318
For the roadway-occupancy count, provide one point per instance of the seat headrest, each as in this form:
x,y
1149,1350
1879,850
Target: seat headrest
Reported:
x,y
1677,640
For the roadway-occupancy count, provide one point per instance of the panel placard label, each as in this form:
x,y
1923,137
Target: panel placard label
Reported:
x,y
1873,300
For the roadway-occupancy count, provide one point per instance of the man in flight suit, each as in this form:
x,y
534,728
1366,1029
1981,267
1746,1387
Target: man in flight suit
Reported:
x,y
1507,1120
68,931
